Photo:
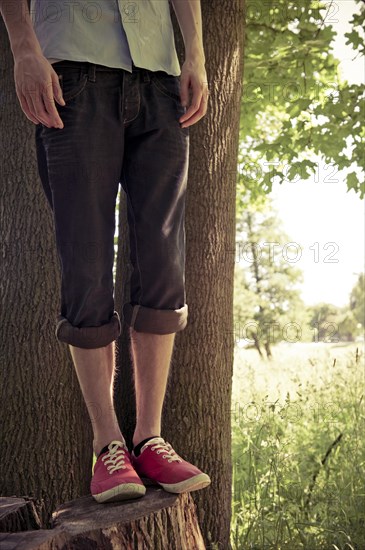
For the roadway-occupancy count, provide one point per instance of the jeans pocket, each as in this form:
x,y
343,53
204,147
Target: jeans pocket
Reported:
x,y
73,81
167,84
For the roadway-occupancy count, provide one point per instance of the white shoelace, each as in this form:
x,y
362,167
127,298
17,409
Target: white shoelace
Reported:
x,y
159,445
115,457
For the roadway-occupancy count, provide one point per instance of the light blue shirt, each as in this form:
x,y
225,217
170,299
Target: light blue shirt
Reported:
x,y
107,32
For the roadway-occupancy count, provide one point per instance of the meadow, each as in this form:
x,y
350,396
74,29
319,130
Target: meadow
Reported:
x,y
298,448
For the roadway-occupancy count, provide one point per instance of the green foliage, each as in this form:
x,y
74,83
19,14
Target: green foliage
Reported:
x,y
356,37
298,464
295,107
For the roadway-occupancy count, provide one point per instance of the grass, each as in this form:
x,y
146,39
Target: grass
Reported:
x,y
297,448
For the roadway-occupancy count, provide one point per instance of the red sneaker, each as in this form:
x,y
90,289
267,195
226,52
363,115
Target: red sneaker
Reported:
x,y
159,463
114,477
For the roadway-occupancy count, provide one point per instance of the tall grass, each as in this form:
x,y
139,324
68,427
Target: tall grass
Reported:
x,y
298,453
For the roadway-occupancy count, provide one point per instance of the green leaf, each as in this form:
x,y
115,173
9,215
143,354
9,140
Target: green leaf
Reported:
x,y
352,181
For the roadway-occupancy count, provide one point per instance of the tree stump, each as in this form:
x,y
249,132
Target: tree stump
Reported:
x,y
157,521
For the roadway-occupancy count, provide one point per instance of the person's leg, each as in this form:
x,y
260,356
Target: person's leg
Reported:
x,y
95,369
151,359
80,169
154,178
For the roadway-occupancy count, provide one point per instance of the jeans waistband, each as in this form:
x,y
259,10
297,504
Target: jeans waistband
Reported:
x,y
92,68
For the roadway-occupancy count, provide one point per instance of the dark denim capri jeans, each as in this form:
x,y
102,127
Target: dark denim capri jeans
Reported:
x,y
119,128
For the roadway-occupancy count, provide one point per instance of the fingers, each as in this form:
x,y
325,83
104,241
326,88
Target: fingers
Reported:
x,y
57,92
45,116
197,108
46,107
26,109
197,114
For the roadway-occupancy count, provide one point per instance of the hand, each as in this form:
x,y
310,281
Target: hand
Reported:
x,y
37,86
194,77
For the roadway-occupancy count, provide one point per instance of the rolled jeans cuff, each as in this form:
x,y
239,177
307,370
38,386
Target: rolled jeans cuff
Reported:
x,y
155,321
88,337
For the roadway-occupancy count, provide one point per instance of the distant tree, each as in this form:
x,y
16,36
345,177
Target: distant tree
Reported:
x,y
324,322
268,307
357,300
332,324
348,327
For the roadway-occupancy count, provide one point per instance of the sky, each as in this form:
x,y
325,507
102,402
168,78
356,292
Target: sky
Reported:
x,y
324,220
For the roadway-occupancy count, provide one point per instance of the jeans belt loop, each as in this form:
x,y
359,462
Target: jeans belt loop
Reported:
x,y
146,76
92,72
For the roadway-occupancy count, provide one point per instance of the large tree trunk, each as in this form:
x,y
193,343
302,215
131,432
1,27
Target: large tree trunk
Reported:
x,y
45,434
197,407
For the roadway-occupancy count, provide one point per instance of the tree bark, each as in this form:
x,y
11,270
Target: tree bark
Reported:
x,y
158,521
257,343
196,417
268,350
18,514
45,434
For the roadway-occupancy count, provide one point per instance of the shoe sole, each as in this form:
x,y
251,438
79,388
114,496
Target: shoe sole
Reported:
x,y
124,491
200,481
